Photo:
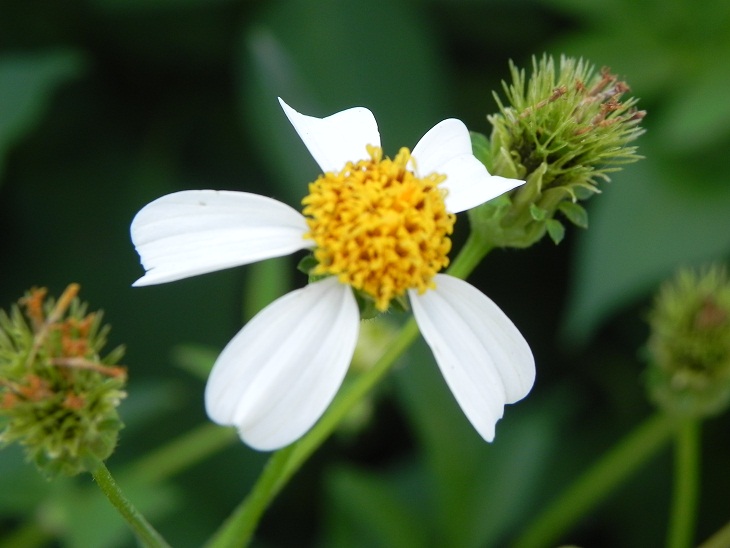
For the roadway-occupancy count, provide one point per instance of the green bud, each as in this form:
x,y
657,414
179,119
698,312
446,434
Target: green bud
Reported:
x,y
689,345
58,397
563,131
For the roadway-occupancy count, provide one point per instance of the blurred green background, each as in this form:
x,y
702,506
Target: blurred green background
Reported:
x,y
108,104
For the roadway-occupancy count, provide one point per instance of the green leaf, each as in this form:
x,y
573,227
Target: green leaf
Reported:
x,y
700,113
27,82
22,488
194,358
653,218
575,213
367,509
87,518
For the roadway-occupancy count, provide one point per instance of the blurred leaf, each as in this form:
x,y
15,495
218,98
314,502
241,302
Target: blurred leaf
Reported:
x,y
153,5
148,400
22,488
481,490
324,57
367,509
652,219
700,112
26,84
86,518
195,359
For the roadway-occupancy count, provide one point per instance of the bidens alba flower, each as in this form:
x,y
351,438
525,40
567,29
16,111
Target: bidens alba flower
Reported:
x,y
379,229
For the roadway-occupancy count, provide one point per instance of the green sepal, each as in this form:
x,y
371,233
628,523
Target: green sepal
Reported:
x,y
307,264
555,230
538,213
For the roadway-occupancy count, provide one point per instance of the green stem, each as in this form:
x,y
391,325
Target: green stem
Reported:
x,y
238,529
597,482
470,255
146,534
686,484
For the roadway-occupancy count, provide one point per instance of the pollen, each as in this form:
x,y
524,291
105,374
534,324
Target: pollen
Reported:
x,y
378,227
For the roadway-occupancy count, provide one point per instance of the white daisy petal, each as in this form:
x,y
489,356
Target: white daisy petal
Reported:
x,y
446,149
198,231
281,371
335,140
483,357
446,140
469,185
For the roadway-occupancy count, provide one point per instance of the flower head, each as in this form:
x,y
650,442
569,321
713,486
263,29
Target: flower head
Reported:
x,y
563,130
379,231
689,346
58,398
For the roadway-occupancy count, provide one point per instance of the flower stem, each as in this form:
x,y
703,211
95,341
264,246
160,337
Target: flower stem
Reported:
x,y
470,255
146,534
238,529
597,482
686,484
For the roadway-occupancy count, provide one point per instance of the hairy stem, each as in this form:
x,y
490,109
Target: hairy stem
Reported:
x,y
146,534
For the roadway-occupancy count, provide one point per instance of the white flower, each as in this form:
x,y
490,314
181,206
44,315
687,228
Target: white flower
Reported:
x,y
378,228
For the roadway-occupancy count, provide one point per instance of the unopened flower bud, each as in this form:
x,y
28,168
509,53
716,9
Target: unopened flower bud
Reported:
x,y
58,397
689,346
563,130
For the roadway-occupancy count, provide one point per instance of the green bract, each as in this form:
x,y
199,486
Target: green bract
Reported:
x,y
58,398
562,130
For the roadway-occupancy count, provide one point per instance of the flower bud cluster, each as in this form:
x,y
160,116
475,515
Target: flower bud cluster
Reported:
x,y
58,397
563,131
689,345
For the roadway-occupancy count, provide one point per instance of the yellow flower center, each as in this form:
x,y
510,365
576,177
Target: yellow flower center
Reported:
x,y
378,227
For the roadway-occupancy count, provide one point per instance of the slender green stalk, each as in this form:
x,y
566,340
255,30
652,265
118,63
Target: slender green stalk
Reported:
x,y
146,534
238,529
686,484
721,539
474,250
597,482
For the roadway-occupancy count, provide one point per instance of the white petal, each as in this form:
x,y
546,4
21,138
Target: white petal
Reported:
x,y
446,149
281,371
198,231
483,357
337,139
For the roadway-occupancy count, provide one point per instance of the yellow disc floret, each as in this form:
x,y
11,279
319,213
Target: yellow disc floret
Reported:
x,y
378,227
